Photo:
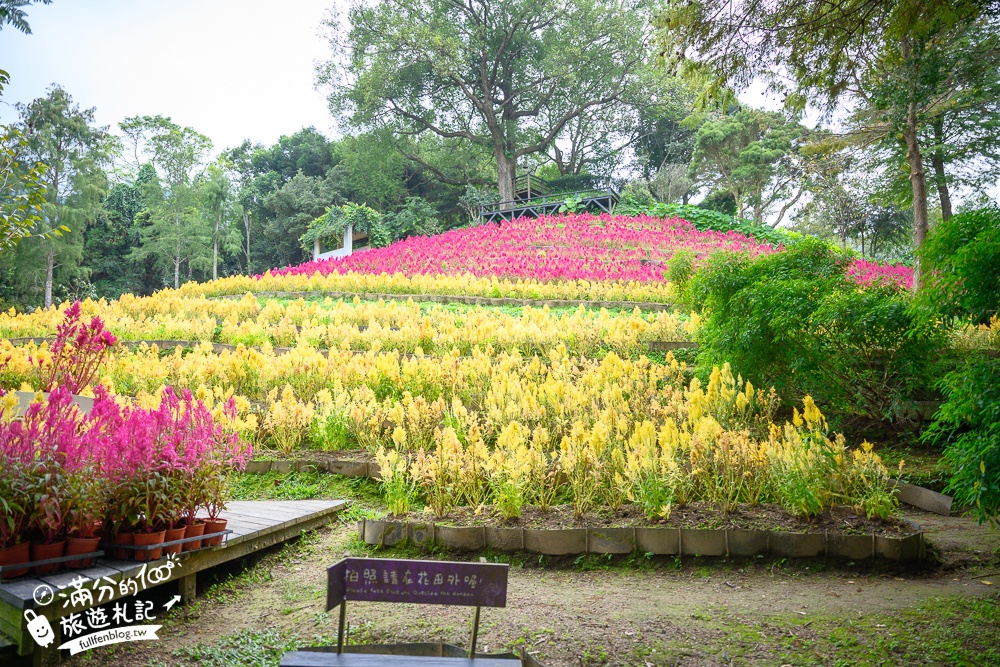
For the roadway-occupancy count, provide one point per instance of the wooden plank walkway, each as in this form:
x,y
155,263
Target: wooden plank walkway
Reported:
x,y
256,525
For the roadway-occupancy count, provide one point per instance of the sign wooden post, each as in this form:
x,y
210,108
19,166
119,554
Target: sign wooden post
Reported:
x,y
418,581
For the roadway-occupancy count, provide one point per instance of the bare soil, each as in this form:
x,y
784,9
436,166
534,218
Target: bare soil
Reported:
x,y
841,520
320,455
691,612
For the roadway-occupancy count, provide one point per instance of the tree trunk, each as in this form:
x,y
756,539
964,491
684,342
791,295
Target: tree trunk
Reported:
x,y
215,249
937,161
506,172
246,225
918,180
50,260
919,184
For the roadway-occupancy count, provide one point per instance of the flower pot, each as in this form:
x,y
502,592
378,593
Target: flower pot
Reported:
x,y
81,545
195,529
44,552
123,539
19,553
146,540
89,530
214,526
170,536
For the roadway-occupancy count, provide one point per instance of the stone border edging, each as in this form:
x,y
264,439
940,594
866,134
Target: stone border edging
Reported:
x,y
454,298
659,541
368,469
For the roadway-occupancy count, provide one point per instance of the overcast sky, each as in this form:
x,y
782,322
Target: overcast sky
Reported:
x,y
231,69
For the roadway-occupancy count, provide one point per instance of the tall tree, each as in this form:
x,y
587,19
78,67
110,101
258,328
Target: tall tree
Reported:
x,y
754,155
63,136
216,192
506,76
957,73
110,241
175,233
828,53
293,206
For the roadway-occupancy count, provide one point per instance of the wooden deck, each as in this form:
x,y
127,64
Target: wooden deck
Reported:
x,y
256,525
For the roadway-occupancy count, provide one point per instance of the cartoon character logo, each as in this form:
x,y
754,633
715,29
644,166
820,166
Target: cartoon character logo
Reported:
x,y
39,628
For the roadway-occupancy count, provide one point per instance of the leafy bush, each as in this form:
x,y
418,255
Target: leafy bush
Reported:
x,y
968,425
795,320
572,183
416,218
961,263
679,269
721,201
635,199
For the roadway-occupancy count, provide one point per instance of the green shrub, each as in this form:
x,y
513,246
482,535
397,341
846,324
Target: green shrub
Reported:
x,y
416,218
961,263
796,321
960,259
680,268
635,199
968,426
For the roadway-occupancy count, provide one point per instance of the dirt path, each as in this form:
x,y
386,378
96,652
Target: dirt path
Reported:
x,y
695,612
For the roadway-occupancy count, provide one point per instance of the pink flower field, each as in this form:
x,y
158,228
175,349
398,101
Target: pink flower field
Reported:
x,y
569,247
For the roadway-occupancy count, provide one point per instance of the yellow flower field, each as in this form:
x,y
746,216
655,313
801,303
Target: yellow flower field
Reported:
x,y
473,406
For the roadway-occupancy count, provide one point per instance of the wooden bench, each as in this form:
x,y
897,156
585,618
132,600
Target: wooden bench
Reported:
x,y
415,581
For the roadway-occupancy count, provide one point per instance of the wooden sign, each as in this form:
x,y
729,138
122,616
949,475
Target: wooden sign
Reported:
x,y
417,581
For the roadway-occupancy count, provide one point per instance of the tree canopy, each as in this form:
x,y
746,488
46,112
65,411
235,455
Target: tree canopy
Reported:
x,y
503,77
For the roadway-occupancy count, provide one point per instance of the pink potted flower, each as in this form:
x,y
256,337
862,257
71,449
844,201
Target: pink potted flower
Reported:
x,y
48,486
84,508
15,504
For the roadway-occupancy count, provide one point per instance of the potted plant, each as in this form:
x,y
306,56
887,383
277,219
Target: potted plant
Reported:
x,y
151,490
170,517
48,518
192,498
84,507
14,508
216,490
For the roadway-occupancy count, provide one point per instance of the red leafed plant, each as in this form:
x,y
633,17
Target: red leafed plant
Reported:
x,y
77,352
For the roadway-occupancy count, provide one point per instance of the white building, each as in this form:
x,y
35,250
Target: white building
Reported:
x,y
352,242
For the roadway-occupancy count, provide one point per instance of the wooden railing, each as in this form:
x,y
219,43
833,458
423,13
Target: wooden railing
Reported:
x,y
604,200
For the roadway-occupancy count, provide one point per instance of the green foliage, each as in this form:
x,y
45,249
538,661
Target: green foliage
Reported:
x,y
572,183
968,426
22,191
719,200
416,218
246,647
754,155
796,321
635,199
680,268
573,204
961,261
539,65
473,198
331,225
708,219
292,208
62,136
11,12
173,232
